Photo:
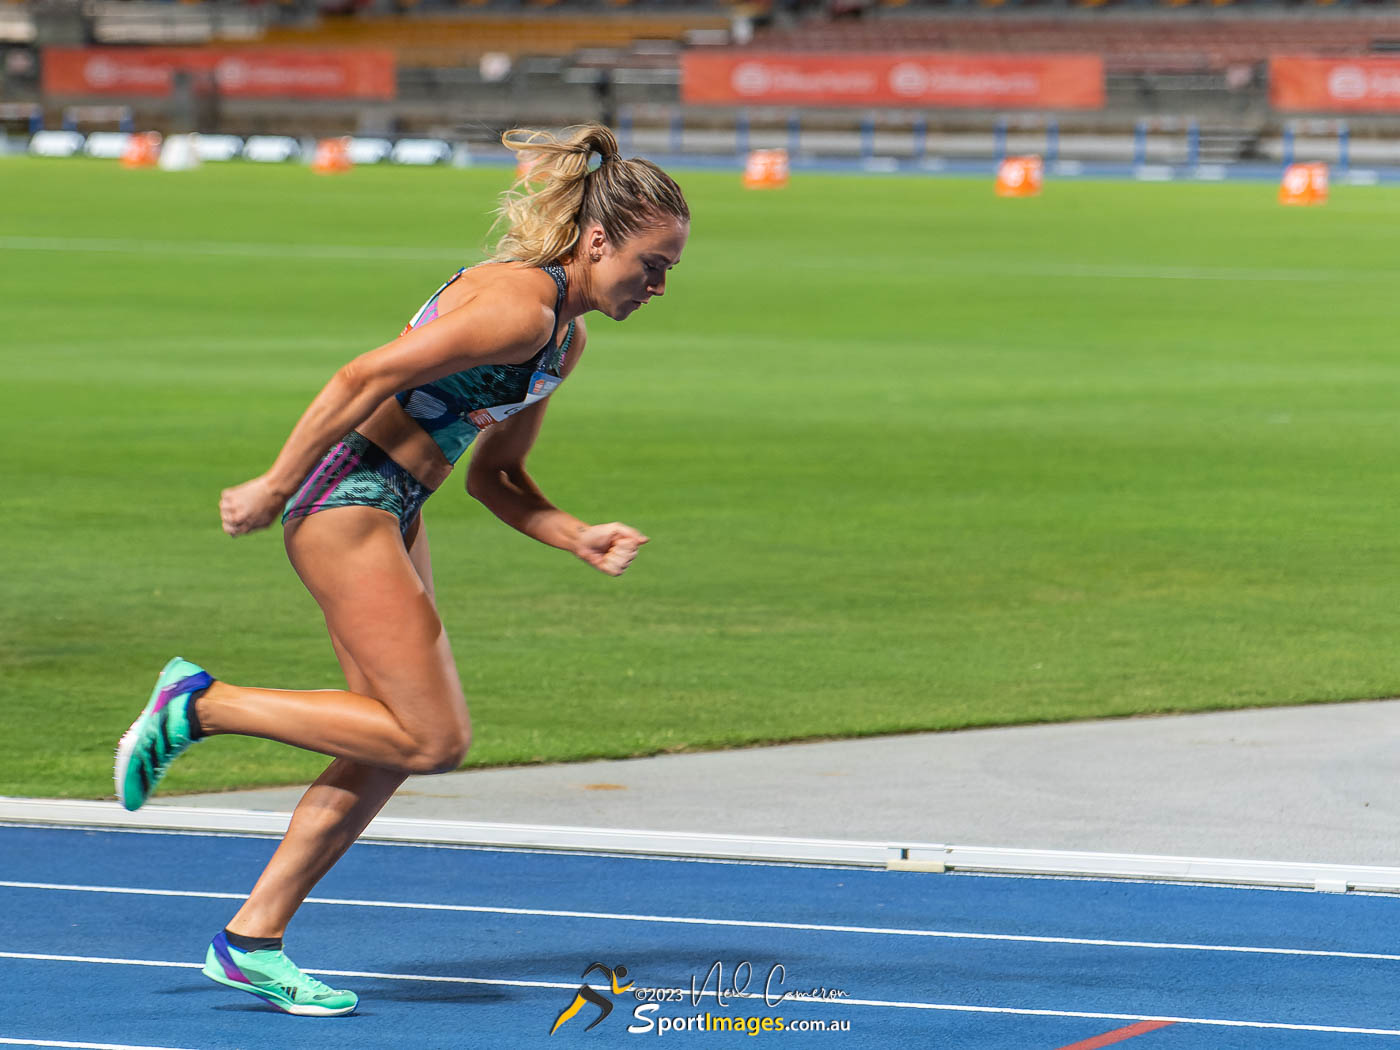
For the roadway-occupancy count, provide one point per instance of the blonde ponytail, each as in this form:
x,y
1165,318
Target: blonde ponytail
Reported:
x,y
548,206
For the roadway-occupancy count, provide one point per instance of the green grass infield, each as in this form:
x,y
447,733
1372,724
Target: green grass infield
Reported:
x,y
912,457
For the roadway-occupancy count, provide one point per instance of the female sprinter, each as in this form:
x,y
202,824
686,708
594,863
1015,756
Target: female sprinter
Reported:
x,y
476,365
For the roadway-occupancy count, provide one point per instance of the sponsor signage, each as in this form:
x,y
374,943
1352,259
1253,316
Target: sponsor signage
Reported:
x,y
239,72
1335,85
910,78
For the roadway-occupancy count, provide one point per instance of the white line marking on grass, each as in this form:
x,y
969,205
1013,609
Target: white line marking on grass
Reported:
x,y
881,931
370,253
1183,273
1121,271
82,1046
129,246
889,1004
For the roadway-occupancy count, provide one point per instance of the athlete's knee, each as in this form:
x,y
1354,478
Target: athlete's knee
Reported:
x,y
442,752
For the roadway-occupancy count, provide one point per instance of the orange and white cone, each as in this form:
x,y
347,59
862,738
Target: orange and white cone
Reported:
x,y
1020,177
332,157
142,150
766,169
1303,184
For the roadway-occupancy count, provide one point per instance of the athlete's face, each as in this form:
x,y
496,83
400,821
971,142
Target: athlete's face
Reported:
x,y
628,274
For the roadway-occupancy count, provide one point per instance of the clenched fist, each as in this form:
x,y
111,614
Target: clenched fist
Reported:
x,y
609,548
250,506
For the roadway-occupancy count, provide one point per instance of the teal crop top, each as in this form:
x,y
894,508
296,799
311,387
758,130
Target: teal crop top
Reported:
x,y
456,408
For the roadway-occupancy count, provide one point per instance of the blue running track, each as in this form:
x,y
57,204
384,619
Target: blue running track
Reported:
x,y
102,934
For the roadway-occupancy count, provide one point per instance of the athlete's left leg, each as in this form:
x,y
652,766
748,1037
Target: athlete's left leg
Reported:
x,y
334,810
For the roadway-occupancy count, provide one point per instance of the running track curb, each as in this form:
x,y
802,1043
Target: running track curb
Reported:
x,y
896,856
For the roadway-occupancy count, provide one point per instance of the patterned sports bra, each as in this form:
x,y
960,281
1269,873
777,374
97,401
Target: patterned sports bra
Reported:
x,y
456,408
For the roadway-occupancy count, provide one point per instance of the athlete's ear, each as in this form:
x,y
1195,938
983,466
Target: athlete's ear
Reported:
x,y
594,241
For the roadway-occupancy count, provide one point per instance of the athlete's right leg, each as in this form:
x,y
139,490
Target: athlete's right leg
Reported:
x,y
334,810
413,717
326,822
328,819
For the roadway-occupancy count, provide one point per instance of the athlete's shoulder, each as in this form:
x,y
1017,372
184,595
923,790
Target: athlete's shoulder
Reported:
x,y
517,301
515,279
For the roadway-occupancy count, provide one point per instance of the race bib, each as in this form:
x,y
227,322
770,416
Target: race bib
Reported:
x,y
542,384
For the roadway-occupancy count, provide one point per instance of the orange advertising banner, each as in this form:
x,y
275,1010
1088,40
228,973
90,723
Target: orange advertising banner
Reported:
x,y
1334,85
239,72
908,78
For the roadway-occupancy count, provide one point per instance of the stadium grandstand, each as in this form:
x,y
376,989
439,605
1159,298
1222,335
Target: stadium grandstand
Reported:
x,y
462,70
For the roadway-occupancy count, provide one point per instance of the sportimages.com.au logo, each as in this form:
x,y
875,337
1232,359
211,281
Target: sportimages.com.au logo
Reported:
x,y
648,1016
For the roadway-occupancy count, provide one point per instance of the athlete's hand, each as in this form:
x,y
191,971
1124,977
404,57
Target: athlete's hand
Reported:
x,y
609,548
250,506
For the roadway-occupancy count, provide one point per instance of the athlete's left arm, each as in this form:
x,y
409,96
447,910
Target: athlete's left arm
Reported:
x,y
497,478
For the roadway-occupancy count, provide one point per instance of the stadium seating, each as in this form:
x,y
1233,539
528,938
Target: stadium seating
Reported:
x,y
1164,43
441,41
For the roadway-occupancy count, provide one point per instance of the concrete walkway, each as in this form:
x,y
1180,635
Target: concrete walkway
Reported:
x,y
1314,784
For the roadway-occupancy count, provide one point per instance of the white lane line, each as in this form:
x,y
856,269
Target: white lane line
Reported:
x,y
129,246
202,894
890,1004
1027,1012
759,924
107,961
45,957
82,1046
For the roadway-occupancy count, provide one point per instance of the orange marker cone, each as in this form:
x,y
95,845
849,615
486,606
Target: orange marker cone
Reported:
x,y
766,169
332,157
1020,177
142,150
525,161
1303,184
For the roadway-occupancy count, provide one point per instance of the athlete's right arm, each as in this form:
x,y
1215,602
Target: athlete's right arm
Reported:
x,y
499,332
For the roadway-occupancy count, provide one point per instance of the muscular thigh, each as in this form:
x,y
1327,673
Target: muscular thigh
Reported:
x,y
416,539
379,611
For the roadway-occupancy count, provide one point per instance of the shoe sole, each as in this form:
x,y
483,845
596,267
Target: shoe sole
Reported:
x,y
127,745
299,1010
